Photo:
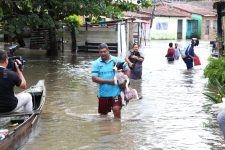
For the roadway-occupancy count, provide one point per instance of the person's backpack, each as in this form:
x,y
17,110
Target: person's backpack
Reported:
x,y
184,51
177,53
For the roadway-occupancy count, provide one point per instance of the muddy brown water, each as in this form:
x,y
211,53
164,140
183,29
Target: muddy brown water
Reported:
x,y
171,116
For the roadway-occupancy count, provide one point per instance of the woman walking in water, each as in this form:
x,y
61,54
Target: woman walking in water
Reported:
x,y
135,59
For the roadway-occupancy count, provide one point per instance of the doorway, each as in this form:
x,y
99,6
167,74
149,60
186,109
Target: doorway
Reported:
x,y
179,29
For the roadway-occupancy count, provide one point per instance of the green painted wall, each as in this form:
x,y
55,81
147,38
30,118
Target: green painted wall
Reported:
x,y
199,19
171,32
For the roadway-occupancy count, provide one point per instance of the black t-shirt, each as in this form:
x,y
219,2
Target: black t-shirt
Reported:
x,y
135,53
8,79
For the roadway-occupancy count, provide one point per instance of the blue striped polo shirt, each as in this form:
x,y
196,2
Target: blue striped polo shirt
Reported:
x,y
105,71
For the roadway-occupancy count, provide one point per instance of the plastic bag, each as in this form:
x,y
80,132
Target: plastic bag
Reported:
x,y
197,61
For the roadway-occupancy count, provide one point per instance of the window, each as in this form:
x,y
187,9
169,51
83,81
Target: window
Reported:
x,y
161,26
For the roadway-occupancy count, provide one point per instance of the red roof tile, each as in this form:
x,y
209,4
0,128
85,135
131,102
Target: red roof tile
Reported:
x,y
195,8
166,10
208,5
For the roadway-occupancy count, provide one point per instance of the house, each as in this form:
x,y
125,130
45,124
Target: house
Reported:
x,y
203,21
169,23
183,20
140,26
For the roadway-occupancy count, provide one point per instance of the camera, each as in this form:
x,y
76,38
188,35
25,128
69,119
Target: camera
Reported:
x,y
12,59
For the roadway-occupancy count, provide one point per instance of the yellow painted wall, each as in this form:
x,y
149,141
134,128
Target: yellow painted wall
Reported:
x,y
171,32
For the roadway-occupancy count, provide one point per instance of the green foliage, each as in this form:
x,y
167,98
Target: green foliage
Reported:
x,y
215,70
14,26
129,6
218,92
73,21
1,13
17,14
146,3
213,97
95,19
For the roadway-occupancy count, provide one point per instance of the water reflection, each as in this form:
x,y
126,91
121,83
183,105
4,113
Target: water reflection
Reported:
x,y
136,84
171,115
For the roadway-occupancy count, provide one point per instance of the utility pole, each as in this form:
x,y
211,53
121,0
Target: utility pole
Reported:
x,y
151,18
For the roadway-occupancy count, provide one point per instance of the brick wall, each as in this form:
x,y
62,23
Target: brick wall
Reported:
x,y
212,28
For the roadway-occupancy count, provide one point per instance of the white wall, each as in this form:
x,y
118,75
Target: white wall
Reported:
x,y
94,35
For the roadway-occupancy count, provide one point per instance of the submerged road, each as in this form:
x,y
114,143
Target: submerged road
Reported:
x,y
173,114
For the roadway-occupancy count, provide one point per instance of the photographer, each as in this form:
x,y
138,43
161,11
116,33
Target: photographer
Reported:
x,y
190,54
9,102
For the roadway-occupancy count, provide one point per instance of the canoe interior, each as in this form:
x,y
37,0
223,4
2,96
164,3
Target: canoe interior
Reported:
x,y
36,98
12,120
17,126
11,123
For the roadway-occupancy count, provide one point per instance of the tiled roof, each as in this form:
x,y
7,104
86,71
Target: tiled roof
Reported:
x,y
204,8
208,5
196,8
166,10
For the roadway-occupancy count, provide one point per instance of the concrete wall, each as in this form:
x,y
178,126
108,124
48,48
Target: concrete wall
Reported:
x,y
93,35
171,32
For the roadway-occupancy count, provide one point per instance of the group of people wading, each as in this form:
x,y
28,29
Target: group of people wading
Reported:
x,y
188,55
103,73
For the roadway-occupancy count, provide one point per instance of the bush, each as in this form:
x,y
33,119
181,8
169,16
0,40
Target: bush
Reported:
x,y
215,70
217,93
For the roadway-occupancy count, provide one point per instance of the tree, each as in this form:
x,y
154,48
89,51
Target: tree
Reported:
x,y
73,22
17,14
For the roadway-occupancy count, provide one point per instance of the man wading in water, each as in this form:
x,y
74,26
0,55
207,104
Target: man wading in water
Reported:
x,y
103,74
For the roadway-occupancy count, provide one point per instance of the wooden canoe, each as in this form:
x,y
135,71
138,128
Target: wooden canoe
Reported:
x,y
20,124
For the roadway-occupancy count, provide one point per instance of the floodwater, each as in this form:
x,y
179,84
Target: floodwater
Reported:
x,y
173,114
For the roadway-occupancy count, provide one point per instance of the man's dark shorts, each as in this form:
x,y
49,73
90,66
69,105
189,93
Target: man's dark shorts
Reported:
x,y
105,104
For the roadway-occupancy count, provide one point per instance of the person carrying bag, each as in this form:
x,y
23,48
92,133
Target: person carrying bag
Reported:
x,y
189,59
197,61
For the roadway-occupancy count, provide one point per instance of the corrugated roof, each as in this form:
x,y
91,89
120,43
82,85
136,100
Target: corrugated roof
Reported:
x,y
136,14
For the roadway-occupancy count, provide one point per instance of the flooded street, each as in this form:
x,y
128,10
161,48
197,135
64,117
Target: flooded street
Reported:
x,y
173,114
